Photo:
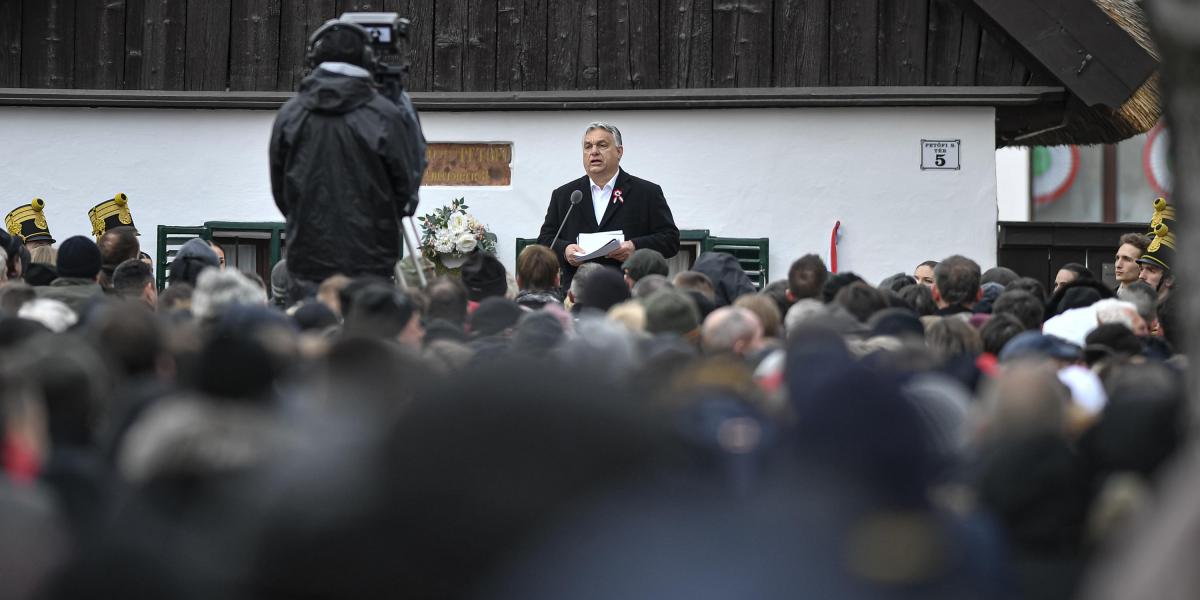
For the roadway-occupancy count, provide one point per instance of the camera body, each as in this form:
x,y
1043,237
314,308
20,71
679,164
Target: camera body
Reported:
x,y
388,32
385,50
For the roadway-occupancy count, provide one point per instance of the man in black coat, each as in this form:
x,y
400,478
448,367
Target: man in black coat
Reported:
x,y
346,164
613,200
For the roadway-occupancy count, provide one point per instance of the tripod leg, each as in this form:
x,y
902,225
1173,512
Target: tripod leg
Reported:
x,y
413,243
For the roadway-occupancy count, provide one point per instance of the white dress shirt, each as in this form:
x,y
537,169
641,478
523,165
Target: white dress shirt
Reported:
x,y
602,195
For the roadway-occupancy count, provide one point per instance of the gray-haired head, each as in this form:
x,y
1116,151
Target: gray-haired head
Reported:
x,y
586,270
1143,296
616,133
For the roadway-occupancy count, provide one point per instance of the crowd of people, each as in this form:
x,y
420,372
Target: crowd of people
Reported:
x,y
956,432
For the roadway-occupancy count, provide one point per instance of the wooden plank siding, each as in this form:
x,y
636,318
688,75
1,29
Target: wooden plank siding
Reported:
x,y
48,43
512,45
99,44
254,45
10,43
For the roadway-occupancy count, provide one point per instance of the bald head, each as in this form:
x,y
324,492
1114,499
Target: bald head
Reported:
x,y
731,329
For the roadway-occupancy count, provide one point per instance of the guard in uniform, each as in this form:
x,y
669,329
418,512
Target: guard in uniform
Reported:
x,y
28,221
113,212
1160,254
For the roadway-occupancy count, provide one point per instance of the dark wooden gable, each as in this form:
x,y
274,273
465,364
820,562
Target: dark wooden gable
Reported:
x,y
1077,43
513,45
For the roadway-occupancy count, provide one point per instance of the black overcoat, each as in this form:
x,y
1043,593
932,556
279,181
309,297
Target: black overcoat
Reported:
x,y
639,210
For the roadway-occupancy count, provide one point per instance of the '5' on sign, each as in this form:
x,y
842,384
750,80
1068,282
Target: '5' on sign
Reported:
x,y
940,155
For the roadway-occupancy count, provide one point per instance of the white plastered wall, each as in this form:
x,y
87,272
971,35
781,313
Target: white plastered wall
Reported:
x,y
785,174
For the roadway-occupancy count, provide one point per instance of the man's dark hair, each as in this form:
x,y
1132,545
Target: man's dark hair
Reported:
x,y
1000,275
379,310
807,276
694,280
173,295
1139,240
350,291
957,280
949,337
1080,271
128,335
130,277
897,282
861,300
1171,324
919,299
998,330
1028,284
117,245
777,291
447,300
932,264
1024,306
836,282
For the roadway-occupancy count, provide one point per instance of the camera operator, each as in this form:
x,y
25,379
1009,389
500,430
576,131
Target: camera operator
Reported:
x,y
346,164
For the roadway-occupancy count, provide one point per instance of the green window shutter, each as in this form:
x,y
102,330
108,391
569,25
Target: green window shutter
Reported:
x,y
522,243
752,253
170,238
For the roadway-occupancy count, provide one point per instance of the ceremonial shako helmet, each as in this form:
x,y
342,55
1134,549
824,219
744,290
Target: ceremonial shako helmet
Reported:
x,y
29,223
113,212
1161,251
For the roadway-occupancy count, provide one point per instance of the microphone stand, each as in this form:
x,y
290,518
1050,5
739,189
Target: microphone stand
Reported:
x,y
576,196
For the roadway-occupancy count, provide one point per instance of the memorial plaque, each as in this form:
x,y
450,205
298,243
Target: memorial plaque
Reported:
x,y
468,164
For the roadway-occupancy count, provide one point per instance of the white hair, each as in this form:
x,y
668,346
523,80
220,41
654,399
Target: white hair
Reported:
x,y
803,311
3,265
218,290
616,133
727,326
603,344
1112,310
55,315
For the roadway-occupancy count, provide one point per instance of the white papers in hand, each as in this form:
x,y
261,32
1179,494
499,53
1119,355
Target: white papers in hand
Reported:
x,y
599,244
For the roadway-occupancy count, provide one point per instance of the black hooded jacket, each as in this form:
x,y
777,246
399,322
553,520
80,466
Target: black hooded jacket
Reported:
x,y
345,162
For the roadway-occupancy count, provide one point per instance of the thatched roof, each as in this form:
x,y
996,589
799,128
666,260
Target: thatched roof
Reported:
x,y
1102,125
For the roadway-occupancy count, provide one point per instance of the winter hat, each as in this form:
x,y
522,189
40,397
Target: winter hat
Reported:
x,y
484,276
1036,343
78,257
193,257
281,280
494,316
670,311
991,291
645,262
727,275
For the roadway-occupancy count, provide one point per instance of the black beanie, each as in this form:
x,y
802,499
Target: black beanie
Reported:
x,y
78,257
484,276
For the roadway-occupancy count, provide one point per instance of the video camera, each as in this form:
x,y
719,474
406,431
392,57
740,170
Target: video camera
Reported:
x,y
388,40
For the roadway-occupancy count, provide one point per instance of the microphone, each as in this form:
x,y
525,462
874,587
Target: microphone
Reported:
x,y
576,196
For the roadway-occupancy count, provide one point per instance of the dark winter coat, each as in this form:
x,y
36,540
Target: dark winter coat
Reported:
x,y
345,162
641,213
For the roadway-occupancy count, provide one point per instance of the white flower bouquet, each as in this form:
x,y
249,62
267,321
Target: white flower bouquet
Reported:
x,y
450,233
